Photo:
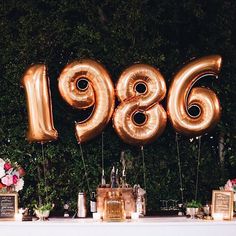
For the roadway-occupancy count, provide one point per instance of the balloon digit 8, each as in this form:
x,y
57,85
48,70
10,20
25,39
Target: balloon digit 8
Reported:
x,y
181,98
140,88
85,83
38,97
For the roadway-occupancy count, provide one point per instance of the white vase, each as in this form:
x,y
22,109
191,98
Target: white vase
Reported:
x,y
192,211
42,215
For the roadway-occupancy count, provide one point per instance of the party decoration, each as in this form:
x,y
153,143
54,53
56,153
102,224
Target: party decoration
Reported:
x,y
182,97
140,88
74,86
11,176
84,83
38,98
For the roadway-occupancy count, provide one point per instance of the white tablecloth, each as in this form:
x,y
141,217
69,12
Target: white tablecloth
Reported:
x,y
161,226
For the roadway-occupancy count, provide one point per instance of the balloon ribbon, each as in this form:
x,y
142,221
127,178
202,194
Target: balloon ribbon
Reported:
x,y
85,169
180,169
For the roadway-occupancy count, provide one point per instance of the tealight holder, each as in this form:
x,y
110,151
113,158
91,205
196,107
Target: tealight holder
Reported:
x,y
218,216
97,216
134,215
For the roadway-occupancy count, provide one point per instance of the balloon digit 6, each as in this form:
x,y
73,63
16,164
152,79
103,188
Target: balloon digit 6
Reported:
x,y
180,99
140,88
98,91
38,98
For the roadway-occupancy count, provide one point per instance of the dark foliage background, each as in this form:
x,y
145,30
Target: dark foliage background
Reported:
x,y
118,33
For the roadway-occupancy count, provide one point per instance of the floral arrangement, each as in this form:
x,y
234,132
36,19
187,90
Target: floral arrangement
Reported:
x,y
231,185
11,176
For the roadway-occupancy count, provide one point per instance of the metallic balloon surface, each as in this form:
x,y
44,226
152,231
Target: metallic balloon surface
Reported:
x,y
68,84
39,105
140,88
98,92
182,97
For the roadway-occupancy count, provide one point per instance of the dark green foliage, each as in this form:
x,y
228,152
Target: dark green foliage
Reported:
x,y
162,33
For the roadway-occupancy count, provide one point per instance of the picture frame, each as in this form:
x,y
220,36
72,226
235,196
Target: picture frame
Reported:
x,y
8,206
222,203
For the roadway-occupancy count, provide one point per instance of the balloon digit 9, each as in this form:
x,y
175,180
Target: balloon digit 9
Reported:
x,y
140,88
74,86
85,83
38,98
181,98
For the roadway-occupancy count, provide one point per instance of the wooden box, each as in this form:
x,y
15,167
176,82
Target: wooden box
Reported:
x,y
127,194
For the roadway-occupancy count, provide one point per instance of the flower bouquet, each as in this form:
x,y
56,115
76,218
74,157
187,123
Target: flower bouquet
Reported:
x,y
231,186
11,176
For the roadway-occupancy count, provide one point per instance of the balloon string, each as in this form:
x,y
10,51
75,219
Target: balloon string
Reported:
x,y
85,170
144,169
44,173
102,155
180,169
198,165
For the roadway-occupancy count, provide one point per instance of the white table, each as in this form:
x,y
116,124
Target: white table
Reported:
x,y
161,226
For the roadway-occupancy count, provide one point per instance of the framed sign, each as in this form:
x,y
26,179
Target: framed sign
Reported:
x,y
222,202
8,205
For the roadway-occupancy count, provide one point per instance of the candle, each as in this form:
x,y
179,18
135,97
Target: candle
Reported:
x,y
97,216
134,215
18,217
218,216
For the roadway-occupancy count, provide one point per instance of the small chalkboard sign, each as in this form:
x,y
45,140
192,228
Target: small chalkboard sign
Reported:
x,y
8,205
222,202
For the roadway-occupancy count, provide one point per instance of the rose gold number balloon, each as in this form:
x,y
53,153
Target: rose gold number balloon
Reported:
x,y
70,88
98,90
38,98
181,98
140,88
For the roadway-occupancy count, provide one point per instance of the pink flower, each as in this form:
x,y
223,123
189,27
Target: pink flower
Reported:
x,y
228,186
7,180
2,172
19,185
21,171
15,179
233,181
7,166
2,162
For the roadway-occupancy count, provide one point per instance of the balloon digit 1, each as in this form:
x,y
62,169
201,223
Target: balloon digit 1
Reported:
x,y
85,83
38,97
140,88
181,98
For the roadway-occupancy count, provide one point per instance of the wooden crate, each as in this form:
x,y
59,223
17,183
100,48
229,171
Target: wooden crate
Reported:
x,y
127,194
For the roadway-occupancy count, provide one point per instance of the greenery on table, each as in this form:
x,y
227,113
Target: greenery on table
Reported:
x,y
117,33
193,204
45,207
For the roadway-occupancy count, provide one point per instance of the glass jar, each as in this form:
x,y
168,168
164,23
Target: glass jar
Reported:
x,y
114,207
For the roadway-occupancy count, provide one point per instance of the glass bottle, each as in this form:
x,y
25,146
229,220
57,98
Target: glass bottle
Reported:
x,y
123,180
103,180
81,205
113,178
141,205
114,207
117,178
93,203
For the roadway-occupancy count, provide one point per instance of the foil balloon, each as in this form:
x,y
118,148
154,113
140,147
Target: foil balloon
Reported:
x,y
39,105
182,96
86,83
140,88
75,88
